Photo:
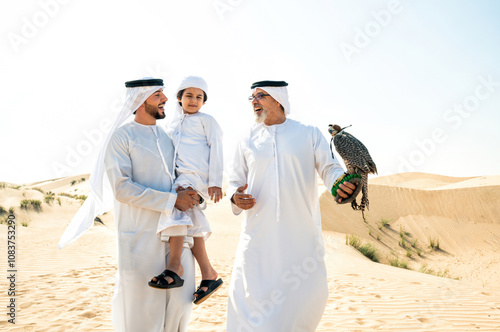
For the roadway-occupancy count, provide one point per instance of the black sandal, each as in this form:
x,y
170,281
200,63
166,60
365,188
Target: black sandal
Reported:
x,y
163,284
212,286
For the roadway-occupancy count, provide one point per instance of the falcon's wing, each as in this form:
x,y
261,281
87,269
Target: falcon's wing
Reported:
x,y
354,152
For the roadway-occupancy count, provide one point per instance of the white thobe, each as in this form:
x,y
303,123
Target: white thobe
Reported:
x,y
139,163
198,145
279,279
199,164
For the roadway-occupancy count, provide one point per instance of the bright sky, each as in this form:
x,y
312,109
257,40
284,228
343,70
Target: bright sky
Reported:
x,y
418,80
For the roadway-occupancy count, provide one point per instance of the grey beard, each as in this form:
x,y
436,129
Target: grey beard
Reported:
x,y
261,117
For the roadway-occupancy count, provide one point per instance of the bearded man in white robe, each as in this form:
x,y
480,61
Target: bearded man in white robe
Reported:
x,y
279,279
138,158
140,166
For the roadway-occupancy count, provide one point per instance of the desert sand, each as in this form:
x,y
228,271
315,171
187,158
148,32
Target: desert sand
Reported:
x,y
71,289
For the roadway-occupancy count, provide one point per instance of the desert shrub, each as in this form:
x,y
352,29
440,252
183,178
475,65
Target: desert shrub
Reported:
x,y
369,251
73,182
3,185
49,197
398,263
384,223
2,211
409,253
425,269
59,201
3,220
403,233
434,243
353,241
38,189
366,249
82,179
31,204
81,197
443,274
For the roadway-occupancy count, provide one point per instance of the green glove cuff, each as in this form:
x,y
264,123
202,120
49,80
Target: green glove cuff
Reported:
x,y
345,177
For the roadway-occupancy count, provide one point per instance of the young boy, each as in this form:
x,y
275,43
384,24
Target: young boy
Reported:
x,y
198,147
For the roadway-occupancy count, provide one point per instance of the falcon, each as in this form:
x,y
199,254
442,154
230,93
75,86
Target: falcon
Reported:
x,y
358,162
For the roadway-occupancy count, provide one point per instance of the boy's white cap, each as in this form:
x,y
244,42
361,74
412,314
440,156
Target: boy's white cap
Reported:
x,y
193,82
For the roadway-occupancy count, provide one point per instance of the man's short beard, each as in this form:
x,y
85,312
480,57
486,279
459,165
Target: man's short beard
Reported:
x,y
154,111
261,117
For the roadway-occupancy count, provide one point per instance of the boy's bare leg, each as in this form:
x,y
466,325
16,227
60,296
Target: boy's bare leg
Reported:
x,y
200,253
174,262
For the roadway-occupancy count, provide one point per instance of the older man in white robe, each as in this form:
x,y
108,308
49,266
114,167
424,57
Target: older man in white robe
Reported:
x,y
138,158
279,279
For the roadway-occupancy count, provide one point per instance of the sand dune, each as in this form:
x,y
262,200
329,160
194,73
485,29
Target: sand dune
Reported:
x,y
71,289
427,181
366,296
417,180
464,219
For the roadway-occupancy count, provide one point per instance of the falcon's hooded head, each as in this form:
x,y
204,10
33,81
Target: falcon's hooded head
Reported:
x,y
334,129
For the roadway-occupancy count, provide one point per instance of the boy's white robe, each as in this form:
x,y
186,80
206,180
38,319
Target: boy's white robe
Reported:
x,y
197,140
279,279
140,167
198,145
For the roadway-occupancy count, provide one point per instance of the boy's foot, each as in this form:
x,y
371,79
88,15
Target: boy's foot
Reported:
x,y
161,280
209,275
206,288
176,269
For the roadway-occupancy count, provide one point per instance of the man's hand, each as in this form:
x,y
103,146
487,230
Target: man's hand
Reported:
x,y
186,199
215,193
242,200
345,190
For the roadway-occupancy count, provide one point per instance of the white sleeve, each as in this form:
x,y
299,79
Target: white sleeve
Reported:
x,y
327,167
119,170
213,133
237,175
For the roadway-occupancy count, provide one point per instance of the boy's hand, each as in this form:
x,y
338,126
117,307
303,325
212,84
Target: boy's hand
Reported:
x,y
215,194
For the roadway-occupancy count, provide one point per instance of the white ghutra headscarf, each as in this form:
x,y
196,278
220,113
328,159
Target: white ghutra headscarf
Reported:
x,y
100,199
279,93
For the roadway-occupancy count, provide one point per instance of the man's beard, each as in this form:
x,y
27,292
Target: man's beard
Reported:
x,y
261,117
154,111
